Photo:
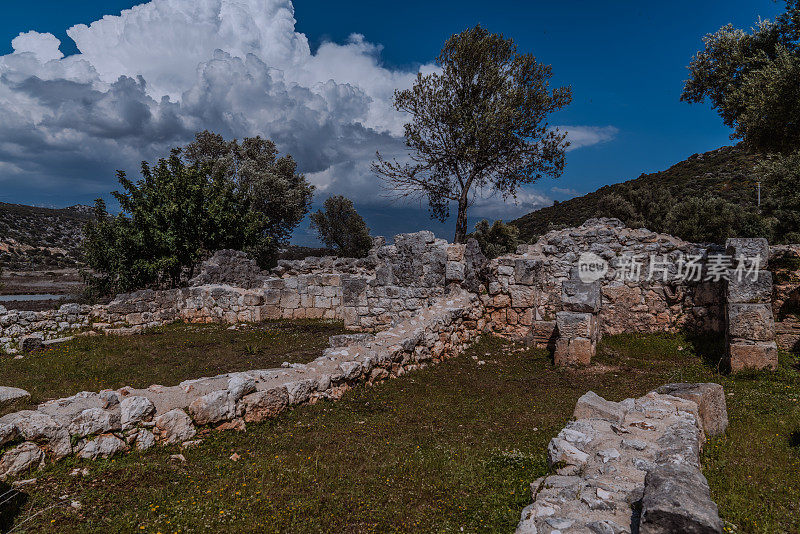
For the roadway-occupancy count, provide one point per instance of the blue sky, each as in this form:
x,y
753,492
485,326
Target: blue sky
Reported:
x,y
626,62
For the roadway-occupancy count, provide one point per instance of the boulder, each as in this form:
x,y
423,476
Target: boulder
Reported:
x,y
94,421
175,427
212,408
239,386
20,459
103,446
135,409
561,452
677,500
12,398
265,404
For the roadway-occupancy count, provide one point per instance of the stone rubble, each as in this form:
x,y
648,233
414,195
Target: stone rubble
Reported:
x,y
631,466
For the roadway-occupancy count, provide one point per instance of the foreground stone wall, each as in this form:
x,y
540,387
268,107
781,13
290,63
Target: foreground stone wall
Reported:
x,y
632,466
101,425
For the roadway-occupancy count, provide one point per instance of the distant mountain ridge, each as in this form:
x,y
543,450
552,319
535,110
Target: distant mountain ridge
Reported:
x,y
34,238
651,199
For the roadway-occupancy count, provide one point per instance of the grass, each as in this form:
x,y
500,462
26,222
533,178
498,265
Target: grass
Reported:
x,y
166,355
450,447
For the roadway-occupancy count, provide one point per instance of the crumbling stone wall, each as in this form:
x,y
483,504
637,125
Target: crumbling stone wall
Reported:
x,y
631,466
785,266
104,424
524,292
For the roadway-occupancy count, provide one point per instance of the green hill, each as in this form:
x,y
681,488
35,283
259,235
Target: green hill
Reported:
x,y
707,197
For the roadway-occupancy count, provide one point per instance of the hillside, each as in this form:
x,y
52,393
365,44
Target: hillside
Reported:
x,y
33,238
659,200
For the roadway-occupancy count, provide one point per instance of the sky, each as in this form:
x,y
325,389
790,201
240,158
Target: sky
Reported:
x,y
82,95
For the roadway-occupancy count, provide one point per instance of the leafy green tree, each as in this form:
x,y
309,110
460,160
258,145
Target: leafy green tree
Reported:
x,y
186,206
275,195
781,177
709,218
496,240
340,226
751,79
480,124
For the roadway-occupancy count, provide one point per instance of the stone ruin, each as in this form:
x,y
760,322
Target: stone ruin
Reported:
x,y
417,302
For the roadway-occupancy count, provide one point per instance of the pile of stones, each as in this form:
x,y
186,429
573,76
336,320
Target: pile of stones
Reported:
x,y
631,466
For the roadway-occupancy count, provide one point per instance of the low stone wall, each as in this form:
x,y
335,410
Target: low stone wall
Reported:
x,y
632,466
101,425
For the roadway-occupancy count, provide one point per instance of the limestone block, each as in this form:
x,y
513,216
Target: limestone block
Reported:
x,y
753,355
677,499
12,398
175,427
710,400
522,296
575,324
265,404
751,321
455,252
749,247
527,271
20,459
104,446
593,406
746,290
134,409
580,297
455,271
574,351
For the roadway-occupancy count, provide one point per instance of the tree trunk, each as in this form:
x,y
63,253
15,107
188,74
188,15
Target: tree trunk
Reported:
x,y
461,222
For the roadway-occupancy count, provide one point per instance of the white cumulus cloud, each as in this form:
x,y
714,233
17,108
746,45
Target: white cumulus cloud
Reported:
x,y
583,136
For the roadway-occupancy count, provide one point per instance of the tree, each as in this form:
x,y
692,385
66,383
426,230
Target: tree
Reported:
x,y
276,196
481,123
340,226
751,79
198,200
496,240
781,175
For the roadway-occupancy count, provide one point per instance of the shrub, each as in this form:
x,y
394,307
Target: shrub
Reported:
x,y
496,240
340,226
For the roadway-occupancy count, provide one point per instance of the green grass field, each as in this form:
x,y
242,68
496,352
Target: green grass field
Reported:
x,y
451,447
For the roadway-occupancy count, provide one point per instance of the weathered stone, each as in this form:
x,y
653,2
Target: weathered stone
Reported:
x,y
103,446
212,408
750,248
32,343
593,406
300,390
751,321
677,499
12,399
749,291
239,386
41,428
175,427
753,355
575,351
575,324
94,421
710,400
527,271
560,451
145,440
265,404
20,459
580,297
134,409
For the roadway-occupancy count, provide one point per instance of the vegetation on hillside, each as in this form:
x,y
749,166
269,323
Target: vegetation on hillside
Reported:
x,y
497,239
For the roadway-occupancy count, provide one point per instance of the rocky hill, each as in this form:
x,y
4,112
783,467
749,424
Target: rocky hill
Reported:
x,y
33,238
716,188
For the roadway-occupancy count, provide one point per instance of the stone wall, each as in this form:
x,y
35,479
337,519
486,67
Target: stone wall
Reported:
x,y
524,293
103,424
785,266
520,294
631,466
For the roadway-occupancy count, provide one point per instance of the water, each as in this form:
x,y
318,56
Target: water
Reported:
x,y
29,298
